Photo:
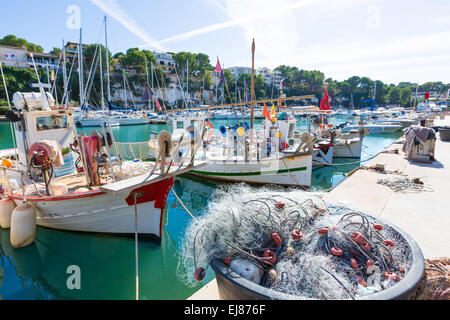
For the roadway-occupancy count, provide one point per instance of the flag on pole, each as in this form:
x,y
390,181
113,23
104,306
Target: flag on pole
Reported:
x,y
157,104
327,100
218,68
281,85
266,112
322,104
148,93
427,95
273,114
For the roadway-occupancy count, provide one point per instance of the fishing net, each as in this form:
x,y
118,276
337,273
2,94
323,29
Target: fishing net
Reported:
x,y
305,247
404,184
435,284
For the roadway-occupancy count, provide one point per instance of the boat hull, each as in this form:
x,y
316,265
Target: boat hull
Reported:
x,y
293,170
96,122
351,149
100,212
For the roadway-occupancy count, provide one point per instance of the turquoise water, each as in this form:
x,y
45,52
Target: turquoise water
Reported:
x,y
107,263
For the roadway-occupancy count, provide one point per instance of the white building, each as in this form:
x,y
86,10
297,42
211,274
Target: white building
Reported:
x,y
21,58
270,77
236,72
165,60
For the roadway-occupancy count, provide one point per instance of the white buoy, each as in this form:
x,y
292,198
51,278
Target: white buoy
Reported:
x,y
23,226
59,188
81,190
6,208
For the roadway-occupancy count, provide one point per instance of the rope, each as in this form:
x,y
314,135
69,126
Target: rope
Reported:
x,y
182,204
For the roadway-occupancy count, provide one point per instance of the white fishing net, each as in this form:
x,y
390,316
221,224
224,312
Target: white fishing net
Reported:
x,y
306,247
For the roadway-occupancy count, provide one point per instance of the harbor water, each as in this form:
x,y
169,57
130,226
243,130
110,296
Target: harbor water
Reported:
x,y
107,263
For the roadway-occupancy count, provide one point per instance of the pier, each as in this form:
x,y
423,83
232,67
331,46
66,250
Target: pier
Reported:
x,y
423,215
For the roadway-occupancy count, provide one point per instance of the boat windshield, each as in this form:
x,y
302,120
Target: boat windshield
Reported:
x,y
51,122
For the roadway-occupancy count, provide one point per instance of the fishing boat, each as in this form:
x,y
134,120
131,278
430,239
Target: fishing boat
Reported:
x,y
101,195
379,127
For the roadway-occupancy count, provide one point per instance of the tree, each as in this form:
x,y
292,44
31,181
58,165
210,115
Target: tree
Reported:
x,y
394,95
13,41
135,59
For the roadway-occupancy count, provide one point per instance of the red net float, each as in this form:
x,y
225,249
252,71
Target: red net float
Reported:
x,y
276,239
389,243
322,231
365,245
378,227
297,234
270,254
279,205
369,263
357,237
335,251
199,274
227,261
390,275
353,263
362,282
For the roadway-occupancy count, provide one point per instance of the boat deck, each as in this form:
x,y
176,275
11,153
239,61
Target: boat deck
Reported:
x,y
425,216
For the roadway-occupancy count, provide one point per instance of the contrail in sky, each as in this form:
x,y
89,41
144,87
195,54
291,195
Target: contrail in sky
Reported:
x,y
113,9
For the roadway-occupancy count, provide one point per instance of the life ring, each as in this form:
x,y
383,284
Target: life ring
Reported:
x,y
210,130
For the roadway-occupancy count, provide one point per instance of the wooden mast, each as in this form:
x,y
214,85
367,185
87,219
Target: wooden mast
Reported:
x,y
253,84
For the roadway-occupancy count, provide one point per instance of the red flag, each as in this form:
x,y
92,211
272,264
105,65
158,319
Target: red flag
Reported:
x,y
157,104
218,68
322,104
266,112
427,95
281,85
327,100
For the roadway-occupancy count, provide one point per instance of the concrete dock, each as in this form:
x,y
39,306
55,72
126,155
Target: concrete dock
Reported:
x,y
425,216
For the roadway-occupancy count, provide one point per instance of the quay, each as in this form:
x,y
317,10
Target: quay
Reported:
x,y
425,216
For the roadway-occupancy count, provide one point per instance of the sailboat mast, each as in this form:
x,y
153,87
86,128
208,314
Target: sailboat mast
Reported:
x,y
101,78
253,84
151,71
107,62
80,67
64,75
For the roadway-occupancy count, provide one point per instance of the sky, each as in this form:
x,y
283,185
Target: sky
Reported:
x,y
391,41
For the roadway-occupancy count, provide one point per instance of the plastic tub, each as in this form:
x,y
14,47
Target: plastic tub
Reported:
x,y
234,287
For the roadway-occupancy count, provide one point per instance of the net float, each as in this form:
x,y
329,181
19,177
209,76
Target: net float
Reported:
x,y
378,227
369,263
276,238
336,251
353,263
199,274
362,282
365,245
357,237
270,254
323,231
390,275
297,234
279,205
389,243
227,261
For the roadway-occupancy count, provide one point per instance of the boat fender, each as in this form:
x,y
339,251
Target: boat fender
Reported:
x,y
199,274
59,188
357,237
297,234
323,231
6,208
165,142
81,190
336,251
23,226
271,256
276,239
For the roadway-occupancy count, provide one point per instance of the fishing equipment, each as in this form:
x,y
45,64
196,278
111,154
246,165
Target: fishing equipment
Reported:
x,y
343,253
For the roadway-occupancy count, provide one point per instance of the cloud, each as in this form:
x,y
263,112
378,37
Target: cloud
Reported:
x,y
113,9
